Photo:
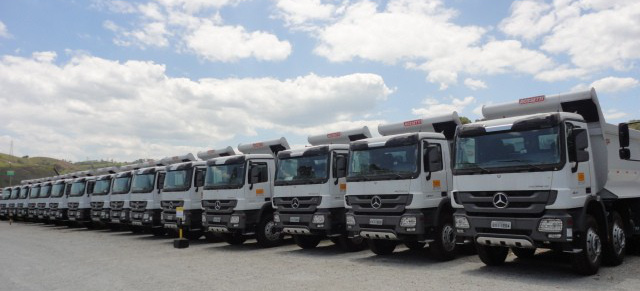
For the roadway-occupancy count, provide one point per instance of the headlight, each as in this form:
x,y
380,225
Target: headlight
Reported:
x,y
276,218
123,215
461,222
550,225
408,221
234,219
145,216
351,220
204,217
318,219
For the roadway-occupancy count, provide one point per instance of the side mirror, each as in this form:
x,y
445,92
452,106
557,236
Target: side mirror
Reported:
x,y
160,183
199,179
341,166
623,134
580,141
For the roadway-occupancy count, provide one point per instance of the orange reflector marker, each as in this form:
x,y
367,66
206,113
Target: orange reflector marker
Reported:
x,y
343,186
436,184
259,191
581,177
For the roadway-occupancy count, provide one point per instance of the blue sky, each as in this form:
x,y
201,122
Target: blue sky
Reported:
x,y
147,79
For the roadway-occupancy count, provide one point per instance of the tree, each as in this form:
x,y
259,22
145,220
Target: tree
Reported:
x,y
634,126
464,120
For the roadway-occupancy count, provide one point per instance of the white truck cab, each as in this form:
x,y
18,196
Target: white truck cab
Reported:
x,y
4,202
145,206
13,202
398,187
43,201
238,192
309,190
22,202
58,200
182,190
100,197
120,208
547,172
79,201
32,207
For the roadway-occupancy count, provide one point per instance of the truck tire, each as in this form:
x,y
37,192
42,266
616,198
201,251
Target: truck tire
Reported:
x,y
415,245
523,254
307,241
444,247
234,239
382,247
158,231
587,261
347,244
491,255
267,235
616,247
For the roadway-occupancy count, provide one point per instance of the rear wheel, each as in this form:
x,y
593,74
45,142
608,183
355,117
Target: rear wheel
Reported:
x,y
523,254
415,245
587,261
351,244
492,255
443,248
267,235
307,241
382,247
234,239
616,246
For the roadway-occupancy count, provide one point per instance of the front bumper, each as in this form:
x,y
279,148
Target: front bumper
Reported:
x,y
244,222
328,222
120,216
192,219
147,218
387,226
58,214
79,214
521,231
101,215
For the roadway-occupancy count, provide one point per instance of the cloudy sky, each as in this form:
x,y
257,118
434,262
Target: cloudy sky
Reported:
x,y
145,79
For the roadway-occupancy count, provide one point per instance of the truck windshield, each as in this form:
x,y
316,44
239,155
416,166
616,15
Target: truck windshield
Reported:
x,y
45,191
77,189
101,187
143,183
225,176
6,193
178,180
57,190
121,185
302,170
24,193
15,193
35,191
384,163
529,150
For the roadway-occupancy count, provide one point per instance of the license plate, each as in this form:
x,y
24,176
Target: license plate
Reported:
x,y
375,221
136,223
294,219
217,219
72,218
501,224
169,217
95,219
170,226
115,220
40,216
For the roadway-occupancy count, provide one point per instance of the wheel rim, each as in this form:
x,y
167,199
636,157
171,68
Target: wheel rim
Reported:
x,y
448,238
593,245
619,238
270,231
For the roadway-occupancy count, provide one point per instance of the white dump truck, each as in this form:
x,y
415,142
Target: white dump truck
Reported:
x,y
4,202
181,195
120,208
100,197
79,199
238,192
32,206
398,187
57,204
548,172
145,206
309,190
43,200
13,202
22,202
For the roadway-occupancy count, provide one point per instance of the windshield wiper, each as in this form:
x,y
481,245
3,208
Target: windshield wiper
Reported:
x,y
475,166
526,162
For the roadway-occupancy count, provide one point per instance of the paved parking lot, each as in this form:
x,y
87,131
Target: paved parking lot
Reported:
x,y
41,257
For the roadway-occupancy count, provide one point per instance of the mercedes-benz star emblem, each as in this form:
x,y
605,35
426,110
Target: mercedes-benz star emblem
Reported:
x,y
376,202
170,205
500,200
295,203
217,205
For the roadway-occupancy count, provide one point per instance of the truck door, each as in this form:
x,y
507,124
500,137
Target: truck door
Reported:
x,y
581,174
435,182
259,190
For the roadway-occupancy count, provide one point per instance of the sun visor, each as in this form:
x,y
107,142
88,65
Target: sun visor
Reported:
x,y
340,137
271,147
445,124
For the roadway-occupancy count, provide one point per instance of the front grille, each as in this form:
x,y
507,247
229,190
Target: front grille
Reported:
x,y
219,206
53,205
304,204
73,205
32,206
362,204
97,205
20,205
171,205
42,205
521,203
117,205
138,205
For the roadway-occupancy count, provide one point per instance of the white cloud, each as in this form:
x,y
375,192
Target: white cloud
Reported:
x,y
530,19
297,13
197,27
4,32
475,84
99,108
560,73
609,85
613,114
432,106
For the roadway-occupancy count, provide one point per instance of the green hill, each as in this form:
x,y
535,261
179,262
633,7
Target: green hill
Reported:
x,y
38,167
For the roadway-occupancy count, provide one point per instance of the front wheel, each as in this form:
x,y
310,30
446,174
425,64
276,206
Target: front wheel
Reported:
x,y
444,247
492,255
616,246
588,260
307,241
267,235
382,247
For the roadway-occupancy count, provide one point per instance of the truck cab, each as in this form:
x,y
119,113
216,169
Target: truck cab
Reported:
x,y
58,201
121,195
13,202
22,202
32,207
545,172
182,190
101,198
145,206
4,199
43,201
398,187
309,190
238,192
78,201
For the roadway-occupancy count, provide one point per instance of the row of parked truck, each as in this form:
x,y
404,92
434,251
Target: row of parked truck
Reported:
x,y
540,172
